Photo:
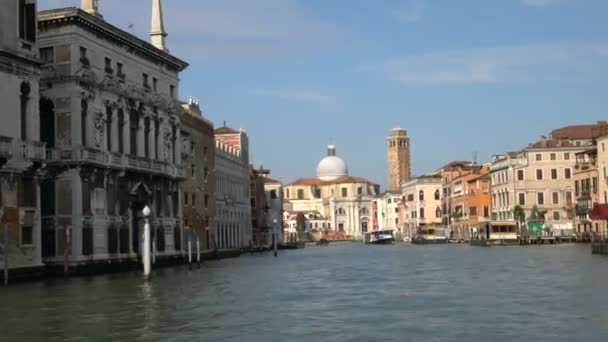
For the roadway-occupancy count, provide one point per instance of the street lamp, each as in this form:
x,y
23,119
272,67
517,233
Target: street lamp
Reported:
x,y
146,252
274,236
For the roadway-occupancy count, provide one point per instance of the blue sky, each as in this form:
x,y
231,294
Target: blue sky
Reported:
x,y
463,77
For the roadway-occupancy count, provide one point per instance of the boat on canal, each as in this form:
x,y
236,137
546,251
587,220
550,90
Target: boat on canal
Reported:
x,y
379,237
323,242
430,235
496,233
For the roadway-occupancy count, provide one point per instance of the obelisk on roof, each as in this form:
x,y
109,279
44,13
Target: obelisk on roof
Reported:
x,y
157,31
90,6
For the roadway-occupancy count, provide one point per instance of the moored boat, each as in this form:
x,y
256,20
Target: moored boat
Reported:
x,y
379,237
496,233
323,242
429,235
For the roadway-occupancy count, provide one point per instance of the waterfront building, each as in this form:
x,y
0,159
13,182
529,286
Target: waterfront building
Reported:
x,y
260,230
198,158
385,212
449,173
586,191
111,119
398,158
470,202
232,196
21,152
343,199
421,203
543,178
504,188
304,222
273,190
600,210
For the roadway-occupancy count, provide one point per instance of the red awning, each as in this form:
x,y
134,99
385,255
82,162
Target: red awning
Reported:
x,y
600,212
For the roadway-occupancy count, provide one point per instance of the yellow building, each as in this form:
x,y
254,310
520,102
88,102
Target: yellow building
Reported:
x,y
344,200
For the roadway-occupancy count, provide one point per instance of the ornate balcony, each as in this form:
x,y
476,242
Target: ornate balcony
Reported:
x,y
21,151
6,147
104,159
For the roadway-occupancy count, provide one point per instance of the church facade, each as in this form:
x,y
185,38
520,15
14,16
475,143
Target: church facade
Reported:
x,y
342,200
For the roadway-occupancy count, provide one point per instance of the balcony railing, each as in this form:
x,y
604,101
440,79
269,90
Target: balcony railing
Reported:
x,y
11,148
113,160
6,147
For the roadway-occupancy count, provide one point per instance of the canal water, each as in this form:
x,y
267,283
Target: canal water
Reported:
x,y
343,292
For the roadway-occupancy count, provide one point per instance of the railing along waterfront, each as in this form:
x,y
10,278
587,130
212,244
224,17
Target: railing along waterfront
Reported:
x,y
113,160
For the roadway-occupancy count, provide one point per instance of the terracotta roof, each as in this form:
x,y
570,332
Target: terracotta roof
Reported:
x,y
481,176
457,163
551,143
580,131
340,180
225,130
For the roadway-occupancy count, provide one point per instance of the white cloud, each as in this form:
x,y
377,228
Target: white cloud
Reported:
x,y
314,96
212,30
410,11
487,65
542,3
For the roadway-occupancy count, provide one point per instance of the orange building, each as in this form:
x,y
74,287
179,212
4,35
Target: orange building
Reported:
x,y
470,199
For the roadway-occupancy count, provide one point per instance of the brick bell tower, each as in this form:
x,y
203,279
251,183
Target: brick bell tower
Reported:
x,y
398,158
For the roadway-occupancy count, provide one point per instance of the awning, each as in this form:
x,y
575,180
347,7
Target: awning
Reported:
x,y
600,211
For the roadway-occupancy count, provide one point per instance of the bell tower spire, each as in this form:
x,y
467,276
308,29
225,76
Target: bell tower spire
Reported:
x,y
157,31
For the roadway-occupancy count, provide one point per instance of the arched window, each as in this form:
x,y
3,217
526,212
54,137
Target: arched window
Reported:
x,y
438,212
421,195
341,211
437,194
421,213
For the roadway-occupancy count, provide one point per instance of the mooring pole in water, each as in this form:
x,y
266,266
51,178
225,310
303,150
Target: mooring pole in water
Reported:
x,y
146,248
275,236
198,250
66,253
154,250
189,247
5,254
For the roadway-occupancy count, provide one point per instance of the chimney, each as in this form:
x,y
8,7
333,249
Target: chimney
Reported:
x,y
157,31
90,6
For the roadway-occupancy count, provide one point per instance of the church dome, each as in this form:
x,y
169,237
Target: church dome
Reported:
x,y
331,167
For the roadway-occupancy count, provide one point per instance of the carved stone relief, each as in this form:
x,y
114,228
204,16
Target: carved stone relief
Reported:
x,y
100,127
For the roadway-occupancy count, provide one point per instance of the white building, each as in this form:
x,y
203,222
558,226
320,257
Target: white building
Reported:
x,y
233,200
111,121
344,200
542,177
385,211
313,221
422,202
21,153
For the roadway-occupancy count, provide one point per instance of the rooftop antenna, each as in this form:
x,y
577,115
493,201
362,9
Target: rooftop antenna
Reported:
x,y
474,157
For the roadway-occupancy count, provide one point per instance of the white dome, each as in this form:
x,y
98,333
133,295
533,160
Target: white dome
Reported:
x,y
331,167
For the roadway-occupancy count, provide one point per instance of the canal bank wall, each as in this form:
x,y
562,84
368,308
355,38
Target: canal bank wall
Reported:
x,y
99,267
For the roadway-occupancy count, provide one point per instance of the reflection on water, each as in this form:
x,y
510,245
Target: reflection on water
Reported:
x,y
347,292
